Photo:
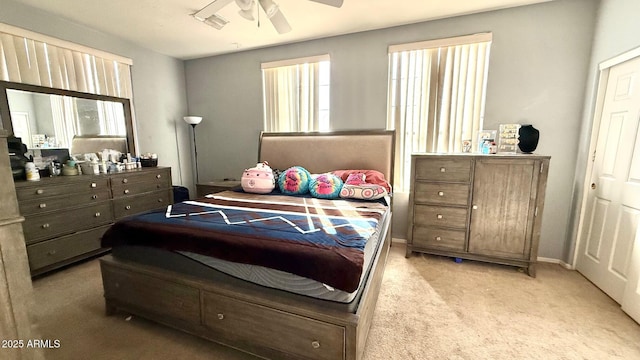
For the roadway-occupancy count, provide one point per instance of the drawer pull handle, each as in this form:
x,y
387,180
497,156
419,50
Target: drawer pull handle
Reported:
x,y
52,252
160,200
158,176
94,197
158,186
442,169
440,193
438,238
439,216
128,207
43,205
39,191
124,181
45,226
475,207
315,344
93,185
220,316
97,214
126,191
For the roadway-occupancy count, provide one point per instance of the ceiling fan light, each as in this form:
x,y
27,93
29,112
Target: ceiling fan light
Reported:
x,y
247,14
245,4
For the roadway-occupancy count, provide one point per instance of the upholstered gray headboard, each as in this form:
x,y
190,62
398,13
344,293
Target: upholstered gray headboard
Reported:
x,y
321,152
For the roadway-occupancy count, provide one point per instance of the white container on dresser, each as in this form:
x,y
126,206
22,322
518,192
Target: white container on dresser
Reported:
x,y
478,207
65,216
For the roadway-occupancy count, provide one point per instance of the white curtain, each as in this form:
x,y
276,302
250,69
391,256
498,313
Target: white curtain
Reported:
x,y
64,114
436,100
31,58
291,97
111,118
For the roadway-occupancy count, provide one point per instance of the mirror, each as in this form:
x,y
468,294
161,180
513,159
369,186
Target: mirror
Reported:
x,y
46,118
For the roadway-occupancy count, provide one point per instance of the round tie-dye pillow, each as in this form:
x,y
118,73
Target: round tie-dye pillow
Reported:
x,y
294,180
325,186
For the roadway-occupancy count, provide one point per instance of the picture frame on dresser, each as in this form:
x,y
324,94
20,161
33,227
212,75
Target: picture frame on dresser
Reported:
x,y
478,207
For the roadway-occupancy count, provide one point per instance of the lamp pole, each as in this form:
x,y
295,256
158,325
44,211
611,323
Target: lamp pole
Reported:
x,y
193,121
195,151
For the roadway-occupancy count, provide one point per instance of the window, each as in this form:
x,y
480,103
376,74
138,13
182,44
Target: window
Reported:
x,y
31,58
436,96
296,94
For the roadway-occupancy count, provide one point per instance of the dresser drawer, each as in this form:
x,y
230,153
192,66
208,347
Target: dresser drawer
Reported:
x,y
49,252
159,175
440,216
56,203
441,193
46,189
445,169
46,226
239,322
438,238
137,188
165,298
134,204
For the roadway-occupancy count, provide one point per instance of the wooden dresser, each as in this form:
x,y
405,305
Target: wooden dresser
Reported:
x,y
65,216
478,207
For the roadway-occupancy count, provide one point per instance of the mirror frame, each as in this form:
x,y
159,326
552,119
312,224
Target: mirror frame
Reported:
x,y
5,113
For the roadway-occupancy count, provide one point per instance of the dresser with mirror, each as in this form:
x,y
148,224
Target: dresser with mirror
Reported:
x,y
65,216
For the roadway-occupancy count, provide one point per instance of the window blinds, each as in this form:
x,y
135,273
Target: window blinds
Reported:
x,y
32,58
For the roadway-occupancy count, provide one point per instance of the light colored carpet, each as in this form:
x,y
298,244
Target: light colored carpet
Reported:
x,y
429,308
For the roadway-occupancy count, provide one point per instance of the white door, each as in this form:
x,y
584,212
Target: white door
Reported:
x,y
612,209
631,297
21,128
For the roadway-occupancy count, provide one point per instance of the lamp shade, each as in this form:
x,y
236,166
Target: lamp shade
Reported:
x,y
193,120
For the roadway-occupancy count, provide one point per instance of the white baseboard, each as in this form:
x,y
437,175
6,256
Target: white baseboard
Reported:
x,y
398,240
556,261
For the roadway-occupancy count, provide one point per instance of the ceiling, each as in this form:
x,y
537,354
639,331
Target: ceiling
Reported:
x,y
167,27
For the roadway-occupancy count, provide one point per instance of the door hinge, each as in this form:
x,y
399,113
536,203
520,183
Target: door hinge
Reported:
x,y
593,157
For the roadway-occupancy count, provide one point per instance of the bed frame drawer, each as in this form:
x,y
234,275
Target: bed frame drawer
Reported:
x,y
153,295
239,321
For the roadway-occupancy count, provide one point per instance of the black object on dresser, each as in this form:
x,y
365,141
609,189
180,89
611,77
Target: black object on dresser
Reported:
x,y
65,216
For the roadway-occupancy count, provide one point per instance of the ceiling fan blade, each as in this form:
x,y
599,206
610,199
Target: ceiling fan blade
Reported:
x,y
276,16
280,23
211,9
336,3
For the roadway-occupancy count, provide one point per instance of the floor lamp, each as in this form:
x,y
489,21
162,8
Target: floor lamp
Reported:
x,y
193,121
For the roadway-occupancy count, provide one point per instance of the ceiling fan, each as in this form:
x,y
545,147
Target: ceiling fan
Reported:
x,y
248,8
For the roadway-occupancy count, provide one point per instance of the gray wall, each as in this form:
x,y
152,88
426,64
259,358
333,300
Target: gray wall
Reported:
x,y
538,68
616,32
158,85
542,71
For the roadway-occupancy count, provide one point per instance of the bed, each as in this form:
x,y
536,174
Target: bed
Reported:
x,y
289,313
